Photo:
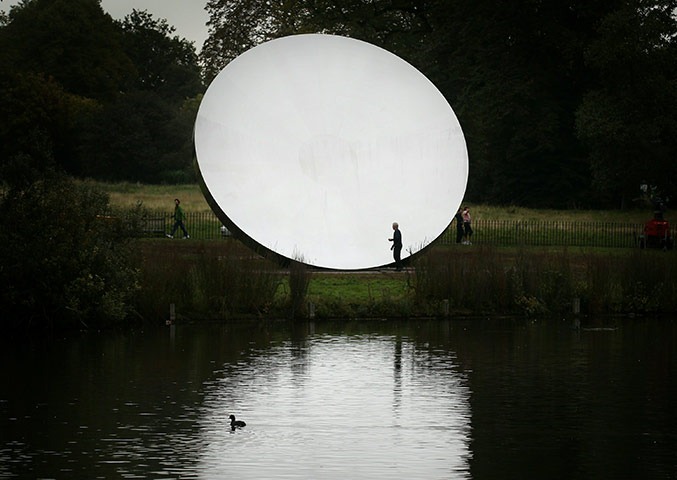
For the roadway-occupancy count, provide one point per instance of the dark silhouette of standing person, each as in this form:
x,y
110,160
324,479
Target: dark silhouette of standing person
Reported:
x,y
179,218
460,231
396,246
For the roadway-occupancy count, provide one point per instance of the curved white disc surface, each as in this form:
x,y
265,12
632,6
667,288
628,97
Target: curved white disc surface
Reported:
x,y
313,145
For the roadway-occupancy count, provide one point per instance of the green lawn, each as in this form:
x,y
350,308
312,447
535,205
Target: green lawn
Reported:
x,y
153,197
360,288
161,197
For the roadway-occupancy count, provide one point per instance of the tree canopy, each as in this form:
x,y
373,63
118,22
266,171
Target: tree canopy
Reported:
x,y
563,103
106,98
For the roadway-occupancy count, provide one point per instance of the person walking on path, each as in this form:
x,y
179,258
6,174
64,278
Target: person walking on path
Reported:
x,y
396,246
466,225
460,231
179,218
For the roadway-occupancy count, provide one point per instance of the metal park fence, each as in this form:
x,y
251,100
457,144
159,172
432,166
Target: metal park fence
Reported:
x,y
550,233
206,226
201,226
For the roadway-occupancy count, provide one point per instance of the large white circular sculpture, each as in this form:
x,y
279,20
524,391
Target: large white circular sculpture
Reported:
x,y
311,146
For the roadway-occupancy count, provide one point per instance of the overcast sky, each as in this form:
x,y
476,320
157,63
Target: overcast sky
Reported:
x,y
187,16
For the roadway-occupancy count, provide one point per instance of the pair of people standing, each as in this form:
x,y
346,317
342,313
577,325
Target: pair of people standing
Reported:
x,y
463,226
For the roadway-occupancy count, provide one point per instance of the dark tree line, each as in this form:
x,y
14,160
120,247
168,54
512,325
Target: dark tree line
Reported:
x,y
83,95
94,97
564,103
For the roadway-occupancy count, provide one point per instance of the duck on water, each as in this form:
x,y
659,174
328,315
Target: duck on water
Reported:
x,y
236,423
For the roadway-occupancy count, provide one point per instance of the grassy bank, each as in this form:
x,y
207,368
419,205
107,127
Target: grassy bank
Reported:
x,y
222,280
225,280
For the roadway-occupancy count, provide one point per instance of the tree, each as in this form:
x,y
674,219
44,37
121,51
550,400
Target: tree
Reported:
x,y
38,119
165,64
498,64
152,135
147,140
238,25
77,80
517,74
62,264
60,60
628,118
73,41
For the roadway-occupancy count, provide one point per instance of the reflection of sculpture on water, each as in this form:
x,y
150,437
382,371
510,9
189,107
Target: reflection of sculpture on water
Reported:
x,y
144,405
299,350
319,401
397,370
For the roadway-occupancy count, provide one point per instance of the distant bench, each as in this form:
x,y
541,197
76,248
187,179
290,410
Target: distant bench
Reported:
x,y
154,226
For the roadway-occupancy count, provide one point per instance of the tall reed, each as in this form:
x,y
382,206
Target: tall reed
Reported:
x,y
221,280
213,281
535,282
643,281
474,281
299,281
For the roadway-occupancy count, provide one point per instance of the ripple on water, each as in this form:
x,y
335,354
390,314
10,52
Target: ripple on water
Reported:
x,y
359,407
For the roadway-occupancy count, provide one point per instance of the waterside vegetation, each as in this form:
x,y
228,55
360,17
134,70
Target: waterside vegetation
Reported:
x,y
223,281
67,265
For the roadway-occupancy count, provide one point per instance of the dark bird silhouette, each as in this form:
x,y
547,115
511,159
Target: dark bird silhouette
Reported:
x,y
236,423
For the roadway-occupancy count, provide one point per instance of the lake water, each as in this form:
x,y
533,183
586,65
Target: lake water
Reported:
x,y
431,399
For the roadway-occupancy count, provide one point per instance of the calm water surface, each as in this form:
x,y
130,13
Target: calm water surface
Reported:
x,y
419,400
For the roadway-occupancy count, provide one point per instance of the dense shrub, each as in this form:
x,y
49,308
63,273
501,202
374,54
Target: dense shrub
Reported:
x,y
63,262
644,281
542,282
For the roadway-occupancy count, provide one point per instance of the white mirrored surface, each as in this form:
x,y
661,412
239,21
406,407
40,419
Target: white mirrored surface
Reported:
x,y
312,145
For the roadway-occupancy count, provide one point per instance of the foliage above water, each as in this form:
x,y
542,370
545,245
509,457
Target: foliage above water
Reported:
x,y
63,262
